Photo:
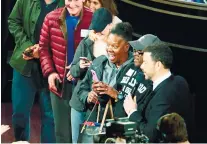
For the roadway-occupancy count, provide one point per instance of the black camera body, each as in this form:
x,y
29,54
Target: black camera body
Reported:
x,y
121,128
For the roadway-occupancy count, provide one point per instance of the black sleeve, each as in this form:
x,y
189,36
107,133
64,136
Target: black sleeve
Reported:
x,y
158,106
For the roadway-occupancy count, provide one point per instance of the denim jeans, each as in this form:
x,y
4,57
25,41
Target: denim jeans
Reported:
x,y
77,118
23,95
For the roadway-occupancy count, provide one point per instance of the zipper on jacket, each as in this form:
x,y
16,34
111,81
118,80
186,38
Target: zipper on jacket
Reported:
x,y
64,75
81,16
67,51
63,81
77,24
66,57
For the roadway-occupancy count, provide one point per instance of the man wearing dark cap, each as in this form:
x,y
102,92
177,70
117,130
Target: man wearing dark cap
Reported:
x,y
140,44
101,20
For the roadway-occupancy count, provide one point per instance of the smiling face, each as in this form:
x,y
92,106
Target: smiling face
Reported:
x,y
138,58
117,49
74,7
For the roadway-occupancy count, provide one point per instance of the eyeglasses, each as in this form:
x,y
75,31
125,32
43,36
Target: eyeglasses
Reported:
x,y
138,52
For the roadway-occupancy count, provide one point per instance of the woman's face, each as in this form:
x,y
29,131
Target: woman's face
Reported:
x,y
74,7
94,5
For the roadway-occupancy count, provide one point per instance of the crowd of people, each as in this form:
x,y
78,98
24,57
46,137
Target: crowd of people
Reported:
x,y
78,55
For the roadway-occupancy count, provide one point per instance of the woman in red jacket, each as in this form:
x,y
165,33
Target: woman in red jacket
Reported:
x,y
61,33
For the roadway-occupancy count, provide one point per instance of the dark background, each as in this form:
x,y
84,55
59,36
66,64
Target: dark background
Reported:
x,y
7,44
178,30
174,29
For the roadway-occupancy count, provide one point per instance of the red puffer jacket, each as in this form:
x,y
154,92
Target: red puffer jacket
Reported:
x,y
53,40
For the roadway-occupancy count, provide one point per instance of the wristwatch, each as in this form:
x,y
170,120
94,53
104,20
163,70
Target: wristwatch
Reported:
x,y
120,96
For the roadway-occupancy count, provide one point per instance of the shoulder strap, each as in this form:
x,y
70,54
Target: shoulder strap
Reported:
x,y
108,105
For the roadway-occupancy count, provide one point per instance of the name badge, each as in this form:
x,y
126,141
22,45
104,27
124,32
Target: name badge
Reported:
x,y
84,32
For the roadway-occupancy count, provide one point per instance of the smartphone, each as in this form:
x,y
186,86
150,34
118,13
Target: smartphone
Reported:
x,y
58,85
94,76
59,88
85,59
28,52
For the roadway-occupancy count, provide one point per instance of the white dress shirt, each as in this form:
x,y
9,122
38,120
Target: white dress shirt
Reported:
x,y
161,79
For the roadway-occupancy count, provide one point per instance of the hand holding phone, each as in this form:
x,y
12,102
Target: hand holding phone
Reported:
x,y
85,59
55,84
28,52
58,85
84,62
31,52
95,80
94,76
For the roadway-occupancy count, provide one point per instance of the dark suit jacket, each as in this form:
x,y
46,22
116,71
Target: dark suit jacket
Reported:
x,y
171,95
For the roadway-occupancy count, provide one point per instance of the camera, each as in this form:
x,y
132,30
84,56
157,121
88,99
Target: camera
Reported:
x,y
120,128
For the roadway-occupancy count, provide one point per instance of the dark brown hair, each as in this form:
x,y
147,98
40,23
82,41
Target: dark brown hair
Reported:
x,y
173,127
161,52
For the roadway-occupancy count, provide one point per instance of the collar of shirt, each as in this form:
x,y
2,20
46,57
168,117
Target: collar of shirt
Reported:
x,y
161,79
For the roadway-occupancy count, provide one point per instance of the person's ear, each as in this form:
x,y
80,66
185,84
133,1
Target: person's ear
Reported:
x,y
126,48
158,65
